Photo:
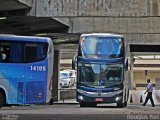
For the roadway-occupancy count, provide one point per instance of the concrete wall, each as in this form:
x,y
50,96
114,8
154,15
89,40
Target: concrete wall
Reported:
x,y
122,16
68,94
95,7
139,77
138,20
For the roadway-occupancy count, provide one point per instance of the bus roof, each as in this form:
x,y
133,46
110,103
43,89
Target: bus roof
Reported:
x,y
23,38
102,34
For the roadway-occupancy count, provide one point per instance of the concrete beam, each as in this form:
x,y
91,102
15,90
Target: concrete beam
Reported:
x,y
116,24
141,39
64,21
26,2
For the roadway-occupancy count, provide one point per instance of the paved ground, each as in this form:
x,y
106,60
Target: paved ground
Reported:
x,y
74,112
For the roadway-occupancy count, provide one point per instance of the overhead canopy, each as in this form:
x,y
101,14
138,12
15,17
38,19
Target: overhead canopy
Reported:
x,y
65,42
40,26
7,5
28,25
14,20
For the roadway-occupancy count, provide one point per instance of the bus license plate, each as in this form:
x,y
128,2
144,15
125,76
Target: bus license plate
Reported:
x,y
99,99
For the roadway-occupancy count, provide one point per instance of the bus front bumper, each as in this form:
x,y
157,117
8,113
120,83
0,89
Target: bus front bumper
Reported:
x,y
100,98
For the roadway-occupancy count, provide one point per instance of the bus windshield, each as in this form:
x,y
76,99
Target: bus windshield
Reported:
x,y
102,47
100,74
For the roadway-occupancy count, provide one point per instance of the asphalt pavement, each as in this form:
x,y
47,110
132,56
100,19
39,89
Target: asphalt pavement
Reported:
x,y
74,112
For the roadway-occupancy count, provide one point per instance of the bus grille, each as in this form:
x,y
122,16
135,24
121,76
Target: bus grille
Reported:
x,y
35,92
20,92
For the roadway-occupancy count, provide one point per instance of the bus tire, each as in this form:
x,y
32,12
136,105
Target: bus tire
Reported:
x,y
120,105
125,104
2,99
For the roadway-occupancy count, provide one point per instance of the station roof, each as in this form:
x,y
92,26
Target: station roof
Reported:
x,y
8,5
41,26
29,25
14,20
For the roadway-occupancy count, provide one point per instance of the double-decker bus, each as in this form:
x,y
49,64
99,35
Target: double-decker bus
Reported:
x,y
102,70
26,67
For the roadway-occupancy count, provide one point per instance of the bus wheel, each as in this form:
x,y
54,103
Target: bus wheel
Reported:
x,y
120,105
2,99
125,104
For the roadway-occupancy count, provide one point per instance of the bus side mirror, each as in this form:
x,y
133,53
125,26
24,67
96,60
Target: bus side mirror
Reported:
x,y
126,64
73,65
74,62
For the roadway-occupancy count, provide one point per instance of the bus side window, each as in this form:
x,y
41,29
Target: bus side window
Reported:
x,y
39,52
28,56
5,52
16,52
3,56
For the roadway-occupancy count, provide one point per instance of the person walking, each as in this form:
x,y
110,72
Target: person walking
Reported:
x,y
149,95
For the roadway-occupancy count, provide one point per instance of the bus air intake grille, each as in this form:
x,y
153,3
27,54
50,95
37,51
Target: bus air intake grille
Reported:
x,y
35,91
20,92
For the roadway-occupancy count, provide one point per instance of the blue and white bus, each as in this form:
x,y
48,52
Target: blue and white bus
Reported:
x,y
102,70
26,67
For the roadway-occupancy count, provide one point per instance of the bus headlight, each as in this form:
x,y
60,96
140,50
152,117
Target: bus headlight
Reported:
x,y
117,92
80,97
118,98
116,89
81,91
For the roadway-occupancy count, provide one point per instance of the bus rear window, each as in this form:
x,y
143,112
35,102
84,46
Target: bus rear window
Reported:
x,y
22,52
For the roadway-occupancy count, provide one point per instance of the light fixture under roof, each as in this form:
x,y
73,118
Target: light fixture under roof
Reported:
x,y
3,18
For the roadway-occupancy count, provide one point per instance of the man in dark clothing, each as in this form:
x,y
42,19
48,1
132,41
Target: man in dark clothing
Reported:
x,y
149,95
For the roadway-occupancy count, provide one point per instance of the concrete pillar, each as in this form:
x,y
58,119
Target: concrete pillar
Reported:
x,y
55,75
131,70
